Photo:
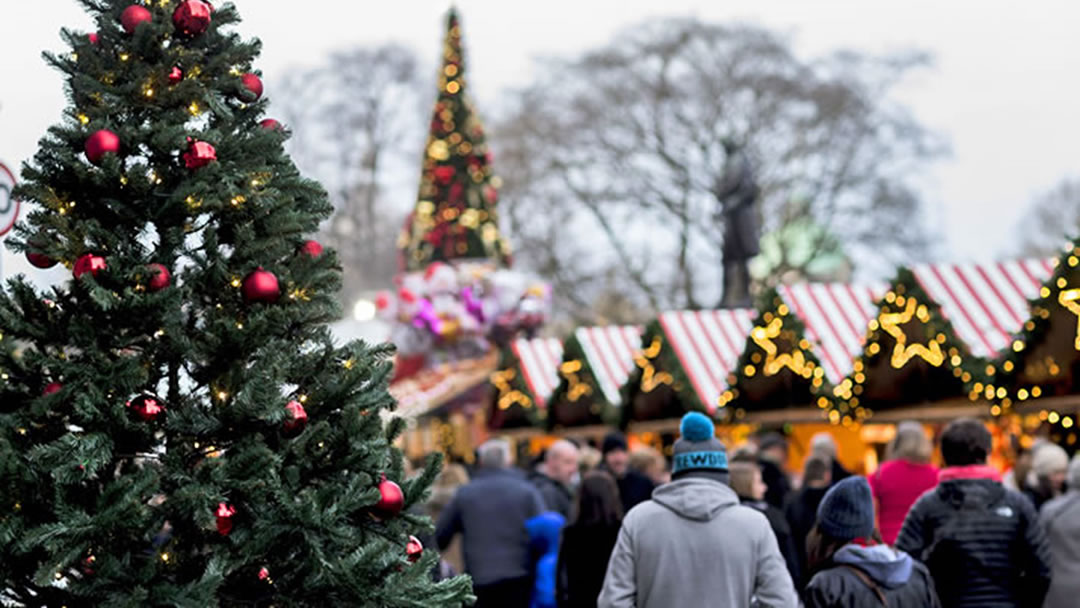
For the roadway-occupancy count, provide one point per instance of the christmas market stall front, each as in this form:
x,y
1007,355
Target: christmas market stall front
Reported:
x,y
683,366
834,317
596,364
527,376
1034,384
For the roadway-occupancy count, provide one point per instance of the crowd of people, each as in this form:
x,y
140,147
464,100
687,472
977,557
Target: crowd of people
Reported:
x,y
621,530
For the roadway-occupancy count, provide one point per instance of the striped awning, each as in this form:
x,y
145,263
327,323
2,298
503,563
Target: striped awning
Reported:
x,y
836,316
539,362
610,352
986,303
708,345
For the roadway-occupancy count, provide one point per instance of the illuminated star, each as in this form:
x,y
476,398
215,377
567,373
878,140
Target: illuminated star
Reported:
x,y
903,352
774,361
1070,299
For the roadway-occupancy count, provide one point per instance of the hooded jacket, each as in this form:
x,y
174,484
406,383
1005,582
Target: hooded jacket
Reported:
x,y
904,582
982,543
694,545
544,545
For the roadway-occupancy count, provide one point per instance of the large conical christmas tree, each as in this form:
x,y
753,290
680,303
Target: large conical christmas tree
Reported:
x,y
455,214
177,427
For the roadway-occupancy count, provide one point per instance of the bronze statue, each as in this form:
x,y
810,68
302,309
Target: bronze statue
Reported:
x,y
737,191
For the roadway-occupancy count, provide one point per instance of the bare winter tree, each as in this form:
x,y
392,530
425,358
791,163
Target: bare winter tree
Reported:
x,y
358,127
1054,219
611,162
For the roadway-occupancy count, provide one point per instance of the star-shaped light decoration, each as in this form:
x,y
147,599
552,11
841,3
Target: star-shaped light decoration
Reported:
x,y
776,361
1070,299
892,323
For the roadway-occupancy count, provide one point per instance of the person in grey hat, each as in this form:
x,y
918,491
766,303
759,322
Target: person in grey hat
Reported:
x,y
851,566
693,544
1061,518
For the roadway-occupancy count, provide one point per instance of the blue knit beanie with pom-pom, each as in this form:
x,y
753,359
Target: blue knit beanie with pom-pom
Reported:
x,y
698,449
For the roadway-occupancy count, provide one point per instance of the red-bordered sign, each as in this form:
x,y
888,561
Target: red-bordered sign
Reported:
x,y
9,207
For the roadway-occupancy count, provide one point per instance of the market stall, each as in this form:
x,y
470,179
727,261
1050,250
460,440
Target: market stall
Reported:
x,y
596,364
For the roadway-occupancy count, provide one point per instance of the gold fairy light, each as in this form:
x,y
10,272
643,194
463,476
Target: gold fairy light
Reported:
x,y
194,109
84,119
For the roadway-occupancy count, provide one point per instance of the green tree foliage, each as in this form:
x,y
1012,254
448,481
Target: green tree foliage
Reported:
x,y
455,214
100,506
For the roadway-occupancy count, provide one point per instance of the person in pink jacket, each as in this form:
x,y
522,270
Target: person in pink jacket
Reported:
x,y
903,479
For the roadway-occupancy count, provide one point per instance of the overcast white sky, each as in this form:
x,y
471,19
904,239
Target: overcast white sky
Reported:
x,y
1006,87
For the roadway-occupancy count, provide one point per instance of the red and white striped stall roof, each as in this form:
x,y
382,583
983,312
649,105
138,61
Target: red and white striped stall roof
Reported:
x,y
610,351
836,316
708,344
540,359
986,303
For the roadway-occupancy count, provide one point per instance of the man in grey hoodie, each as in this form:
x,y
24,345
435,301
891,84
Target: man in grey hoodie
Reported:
x,y
693,544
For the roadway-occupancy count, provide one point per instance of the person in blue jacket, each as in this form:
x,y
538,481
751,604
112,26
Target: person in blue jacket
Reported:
x,y
544,531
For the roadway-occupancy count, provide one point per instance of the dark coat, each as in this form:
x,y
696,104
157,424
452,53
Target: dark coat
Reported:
x,y
903,582
490,512
839,473
634,488
777,482
982,543
801,514
583,562
557,497
784,538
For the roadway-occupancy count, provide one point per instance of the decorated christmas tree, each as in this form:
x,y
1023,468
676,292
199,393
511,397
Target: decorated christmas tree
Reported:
x,y
177,427
455,215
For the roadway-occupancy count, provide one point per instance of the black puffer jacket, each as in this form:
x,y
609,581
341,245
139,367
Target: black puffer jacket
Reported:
x,y
982,543
903,582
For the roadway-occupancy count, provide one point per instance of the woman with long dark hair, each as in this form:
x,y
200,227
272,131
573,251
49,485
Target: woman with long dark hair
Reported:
x,y
851,566
588,540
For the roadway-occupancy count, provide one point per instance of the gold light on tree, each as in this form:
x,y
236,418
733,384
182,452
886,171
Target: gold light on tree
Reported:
x,y
650,378
1070,299
576,389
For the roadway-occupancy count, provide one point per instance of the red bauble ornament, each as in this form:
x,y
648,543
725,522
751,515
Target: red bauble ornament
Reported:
x,y
224,514
264,573
51,389
414,549
382,301
91,263
296,421
147,408
101,143
176,75
253,85
161,277
270,124
261,286
312,248
192,17
133,16
199,154
92,37
444,174
391,498
40,260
